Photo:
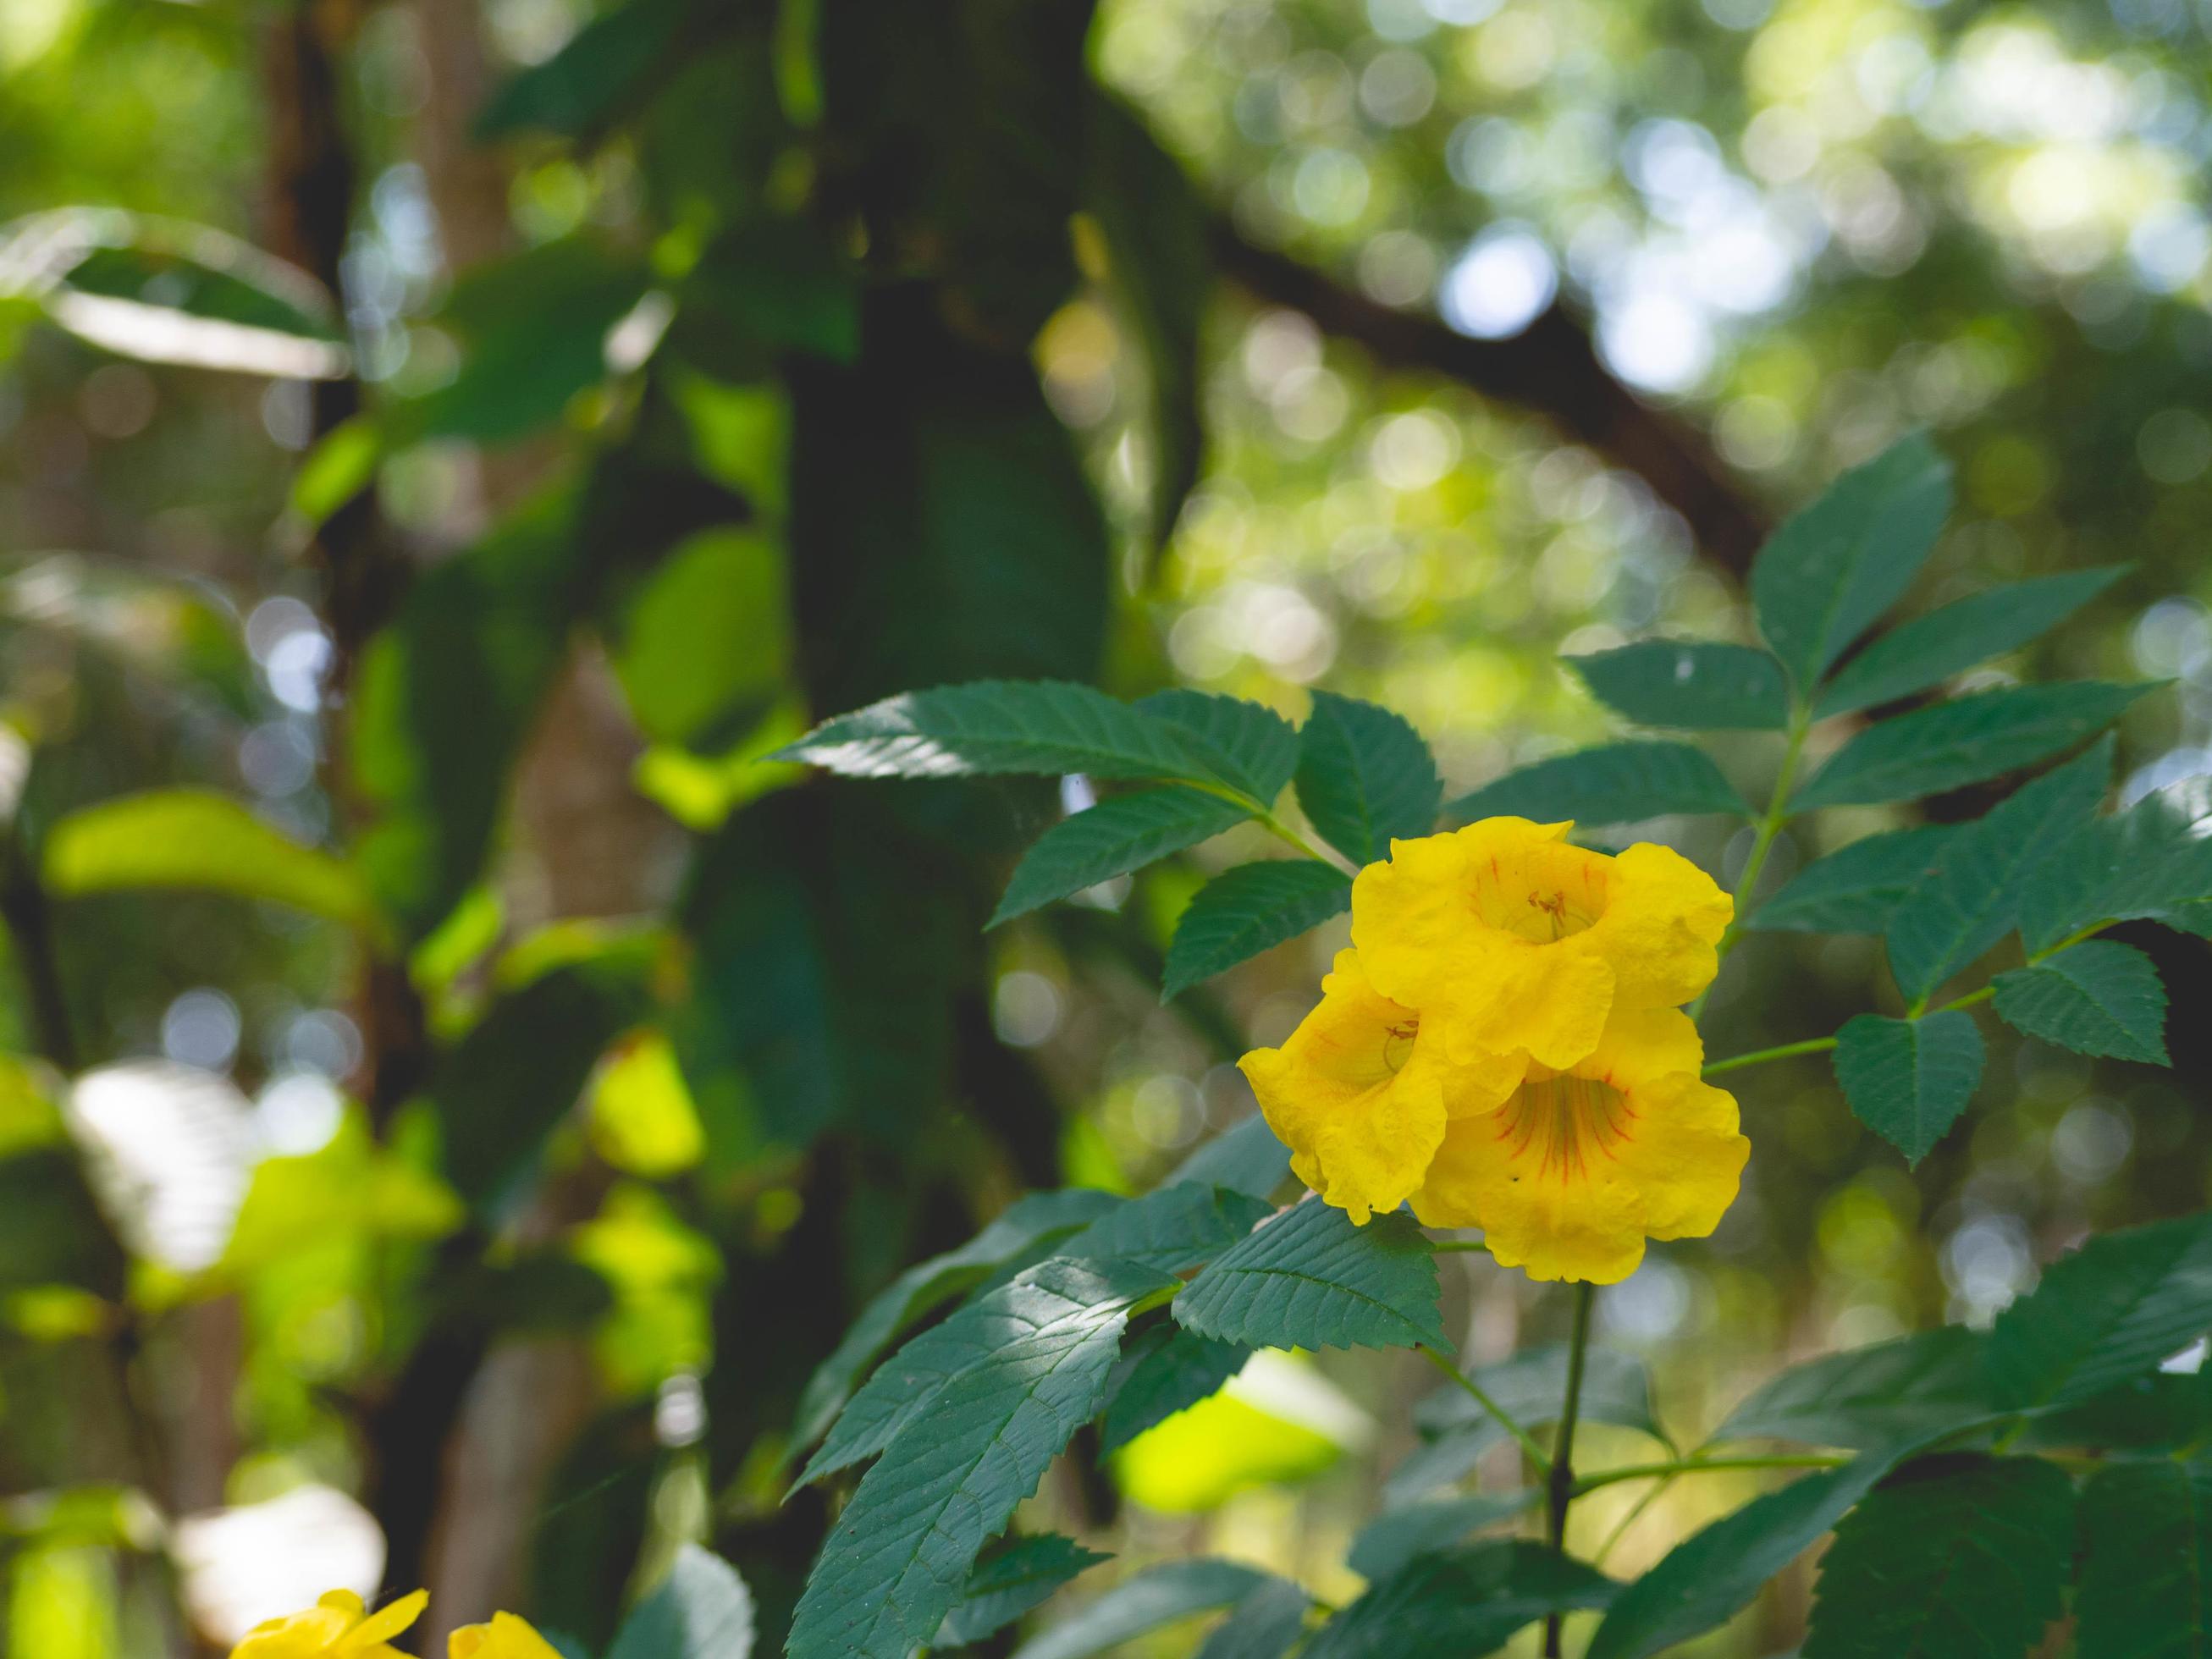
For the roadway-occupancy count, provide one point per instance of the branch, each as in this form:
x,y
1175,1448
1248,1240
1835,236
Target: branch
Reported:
x,y
1550,369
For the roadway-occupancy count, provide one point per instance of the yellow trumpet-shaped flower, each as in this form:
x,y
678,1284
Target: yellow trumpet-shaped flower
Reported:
x,y
505,1637
339,1626
1578,1167
1508,937
1362,1091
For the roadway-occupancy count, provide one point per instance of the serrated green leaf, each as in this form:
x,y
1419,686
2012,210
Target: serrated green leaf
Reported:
x,y
1248,745
1970,899
1968,741
1960,1554
1387,1543
1027,1224
1529,1388
1173,1229
1248,909
1311,1279
2146,1578
1118,835
2111,1311
2161,1411
1263,1625
1364,777
196,839
1908,1079
1702,1581
1854,890
1013,1577
1467,1599
1833,569
702,1610
1914,1386
1158,1595
1047,727
2095,997
1248,1158
1919,654
2147,863
1614,783
1692,686
1163,1369
906,1386
894,1565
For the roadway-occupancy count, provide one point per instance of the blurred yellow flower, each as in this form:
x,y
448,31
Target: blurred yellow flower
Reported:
x,y
505,1637
1362,1091
1508,938
1571,1175
339,1626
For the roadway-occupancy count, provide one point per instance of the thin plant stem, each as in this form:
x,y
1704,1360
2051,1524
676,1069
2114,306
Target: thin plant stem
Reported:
x,y
1266,818
1481,1397
1652,1494
1760,1056
1769,827
1590,1483
1560,1485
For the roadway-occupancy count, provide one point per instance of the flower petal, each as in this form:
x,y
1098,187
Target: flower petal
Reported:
x,y
1659,931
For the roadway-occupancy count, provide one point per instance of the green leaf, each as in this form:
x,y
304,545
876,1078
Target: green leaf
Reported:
x,y
777,285
895,1563
1044,727
906,1387
1701,1582
1855,889
586,84
1963,1555
1173,1229
1163,1369
1117,836
2147,863
1246,911
1916,654
1145,1602
1013,1577
1311,1279
2111,1311
1968,901
2147,1562
1469,1599
1693,685
1908,1079
1364,776
1615,783
1835,567
1028,1225
2096,998
1965,741
194,838
1265,1624
1248,745
700,1611
1247,1158
2159,1412
1386,1544
1915,1386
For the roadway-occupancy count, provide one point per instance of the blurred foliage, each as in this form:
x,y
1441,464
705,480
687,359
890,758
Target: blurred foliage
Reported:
x,y
390,403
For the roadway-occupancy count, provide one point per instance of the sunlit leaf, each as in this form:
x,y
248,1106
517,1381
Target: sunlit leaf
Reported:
x,y
1311,1279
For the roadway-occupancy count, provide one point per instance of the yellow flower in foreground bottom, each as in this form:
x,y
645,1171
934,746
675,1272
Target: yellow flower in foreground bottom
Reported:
x,y
339,1626
1507,937
505,1637
1361,1093
1571,1176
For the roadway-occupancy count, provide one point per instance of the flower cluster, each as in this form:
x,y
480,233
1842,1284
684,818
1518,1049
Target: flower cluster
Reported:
x,y
341,1627
1503,1047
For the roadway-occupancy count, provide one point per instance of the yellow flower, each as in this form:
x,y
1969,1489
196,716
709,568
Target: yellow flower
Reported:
x,y
1509,937
1571,1176
1361,1093
505,1637
339,1626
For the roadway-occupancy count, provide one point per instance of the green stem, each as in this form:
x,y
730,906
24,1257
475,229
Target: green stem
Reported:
x,y
1262,815
1590,1483
1560,1486
1652,1494
1770,826
1481,1398
1760,1056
